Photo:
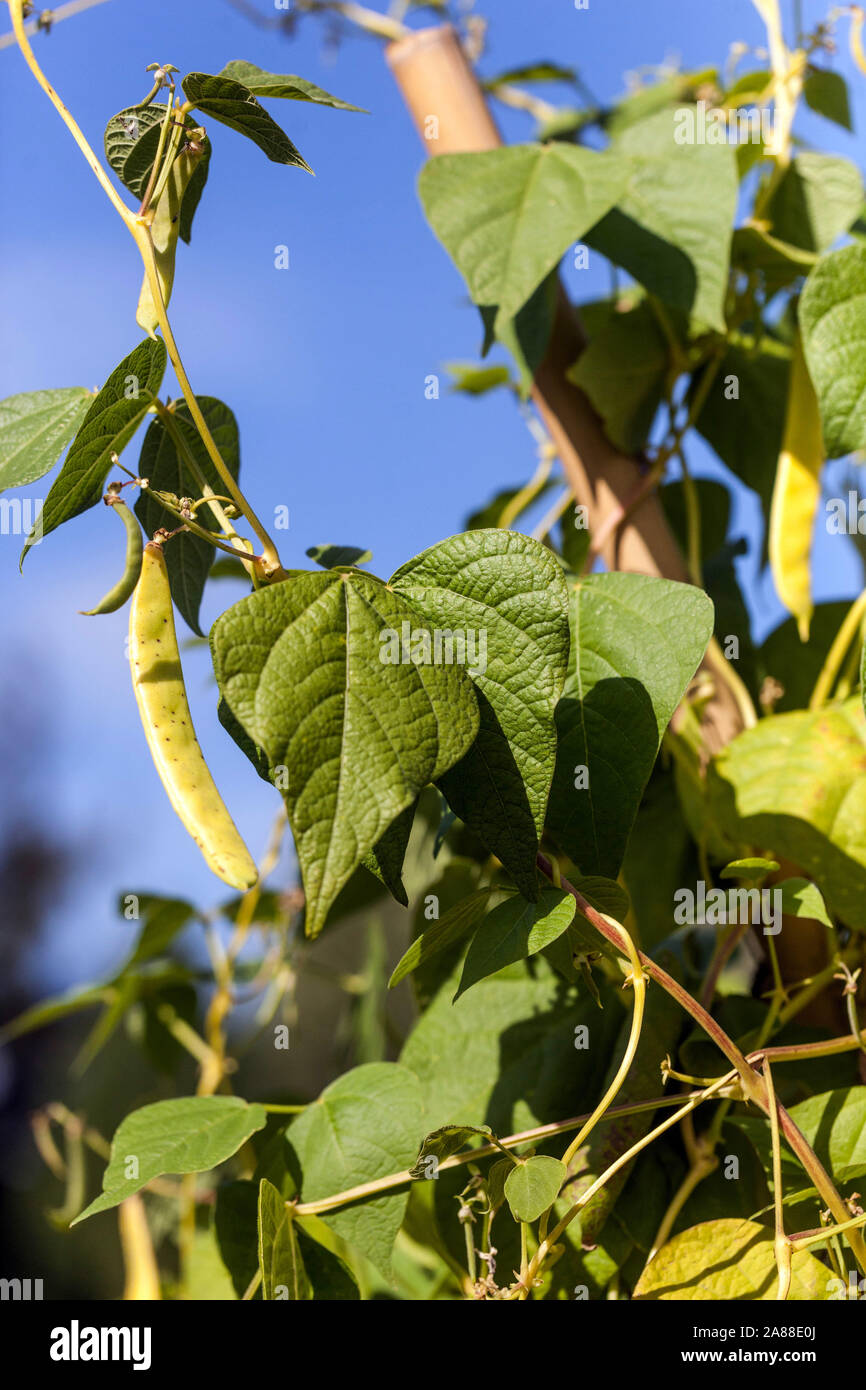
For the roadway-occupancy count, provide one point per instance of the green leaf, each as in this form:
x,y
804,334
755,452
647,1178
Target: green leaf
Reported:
x,y
131,140
835,1125
475,380
234,105
505,1054
530,72
533,1186
831,316
795,667
672,229
108,426
794,785
188,558
189,1135
606,895
300,665
728,1259
751,870
800,898
364,1126
488,516
161,921
205,1277
235,1223
509,591
507,216
280,1260
817,199
443,1142
385,859
450,928
332,557
743,417
285,86
753,249
514,930
638,642
53,1009
827,93
35,428
623,371
527,334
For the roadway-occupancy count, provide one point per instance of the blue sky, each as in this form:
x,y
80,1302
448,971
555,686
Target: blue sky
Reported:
x,y
323,364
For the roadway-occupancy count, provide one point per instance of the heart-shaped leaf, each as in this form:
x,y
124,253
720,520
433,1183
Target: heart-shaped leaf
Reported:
x,y
508,216
305,668
131,141
189,1135
363,1126
533,1186
507,595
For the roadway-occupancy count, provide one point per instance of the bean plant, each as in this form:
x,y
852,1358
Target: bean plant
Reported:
x,y
631,947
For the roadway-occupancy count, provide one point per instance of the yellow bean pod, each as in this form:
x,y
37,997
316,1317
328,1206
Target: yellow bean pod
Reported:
x,y
796,495
165,229
157,678
116,597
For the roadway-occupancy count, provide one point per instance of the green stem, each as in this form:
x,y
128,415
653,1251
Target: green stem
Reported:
x,y
836,655
169,420
638,981
270,557
193,526
781,1243
155,167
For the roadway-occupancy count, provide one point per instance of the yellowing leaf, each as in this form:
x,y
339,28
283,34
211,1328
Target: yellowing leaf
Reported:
x,y
732,1260
796,494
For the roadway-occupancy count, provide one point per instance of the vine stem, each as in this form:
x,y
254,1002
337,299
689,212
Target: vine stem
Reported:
x,y
836,655
754,1087
168,419
140,233
638,980
527,1136
781,1244
703,1165
16,12
144,241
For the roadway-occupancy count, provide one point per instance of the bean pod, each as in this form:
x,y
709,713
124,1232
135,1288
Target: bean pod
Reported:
x,y
116,597
157,678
